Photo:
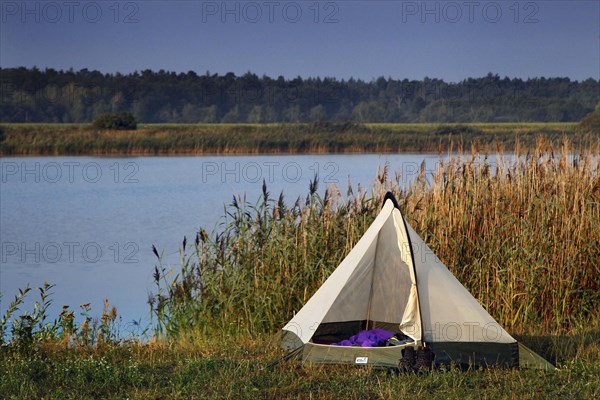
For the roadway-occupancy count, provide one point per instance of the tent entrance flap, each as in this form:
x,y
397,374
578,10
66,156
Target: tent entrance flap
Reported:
x,y
392,291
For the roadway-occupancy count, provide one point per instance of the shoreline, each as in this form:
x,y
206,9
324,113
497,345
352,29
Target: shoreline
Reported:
x,y
278,139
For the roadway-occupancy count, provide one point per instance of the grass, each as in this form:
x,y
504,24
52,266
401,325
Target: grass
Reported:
x,y
522,236
236,368
78,139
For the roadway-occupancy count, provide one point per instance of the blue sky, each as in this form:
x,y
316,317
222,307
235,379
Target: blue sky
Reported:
x,y
451,40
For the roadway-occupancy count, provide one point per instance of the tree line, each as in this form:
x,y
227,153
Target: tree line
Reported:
x,y
49,95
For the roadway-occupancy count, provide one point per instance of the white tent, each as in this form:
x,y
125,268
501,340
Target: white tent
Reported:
x,y
392,280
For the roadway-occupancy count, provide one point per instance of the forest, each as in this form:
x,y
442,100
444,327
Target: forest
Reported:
x,y
59,96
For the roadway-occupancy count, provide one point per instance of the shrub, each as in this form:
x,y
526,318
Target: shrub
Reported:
x,y
120,121
455,129
591,122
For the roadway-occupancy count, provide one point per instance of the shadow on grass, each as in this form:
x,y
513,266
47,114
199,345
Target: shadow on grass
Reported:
x,y
560,348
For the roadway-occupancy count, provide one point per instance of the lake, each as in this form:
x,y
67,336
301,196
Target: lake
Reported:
x,y
87,224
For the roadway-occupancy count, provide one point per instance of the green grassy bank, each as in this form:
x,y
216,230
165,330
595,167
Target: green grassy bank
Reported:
x,y
80,139
236,369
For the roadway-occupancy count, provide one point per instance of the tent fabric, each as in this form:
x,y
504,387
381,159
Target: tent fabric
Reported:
x,y
469,354
450,312
529,359
392,280
380,356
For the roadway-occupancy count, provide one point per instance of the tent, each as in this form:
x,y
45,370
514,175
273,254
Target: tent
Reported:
x,y
392,280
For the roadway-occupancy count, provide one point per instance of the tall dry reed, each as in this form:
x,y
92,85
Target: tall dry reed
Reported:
x,y
522,235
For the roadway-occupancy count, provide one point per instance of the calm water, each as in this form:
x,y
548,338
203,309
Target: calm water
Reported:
x,y
87,224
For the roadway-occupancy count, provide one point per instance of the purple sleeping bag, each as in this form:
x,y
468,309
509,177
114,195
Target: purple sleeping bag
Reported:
x,y
371,338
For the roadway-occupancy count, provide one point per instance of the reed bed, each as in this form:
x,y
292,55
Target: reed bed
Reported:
x,y
522,236
325,137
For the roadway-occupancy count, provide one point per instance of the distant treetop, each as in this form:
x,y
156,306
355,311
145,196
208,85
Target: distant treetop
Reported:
x,y
33,95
